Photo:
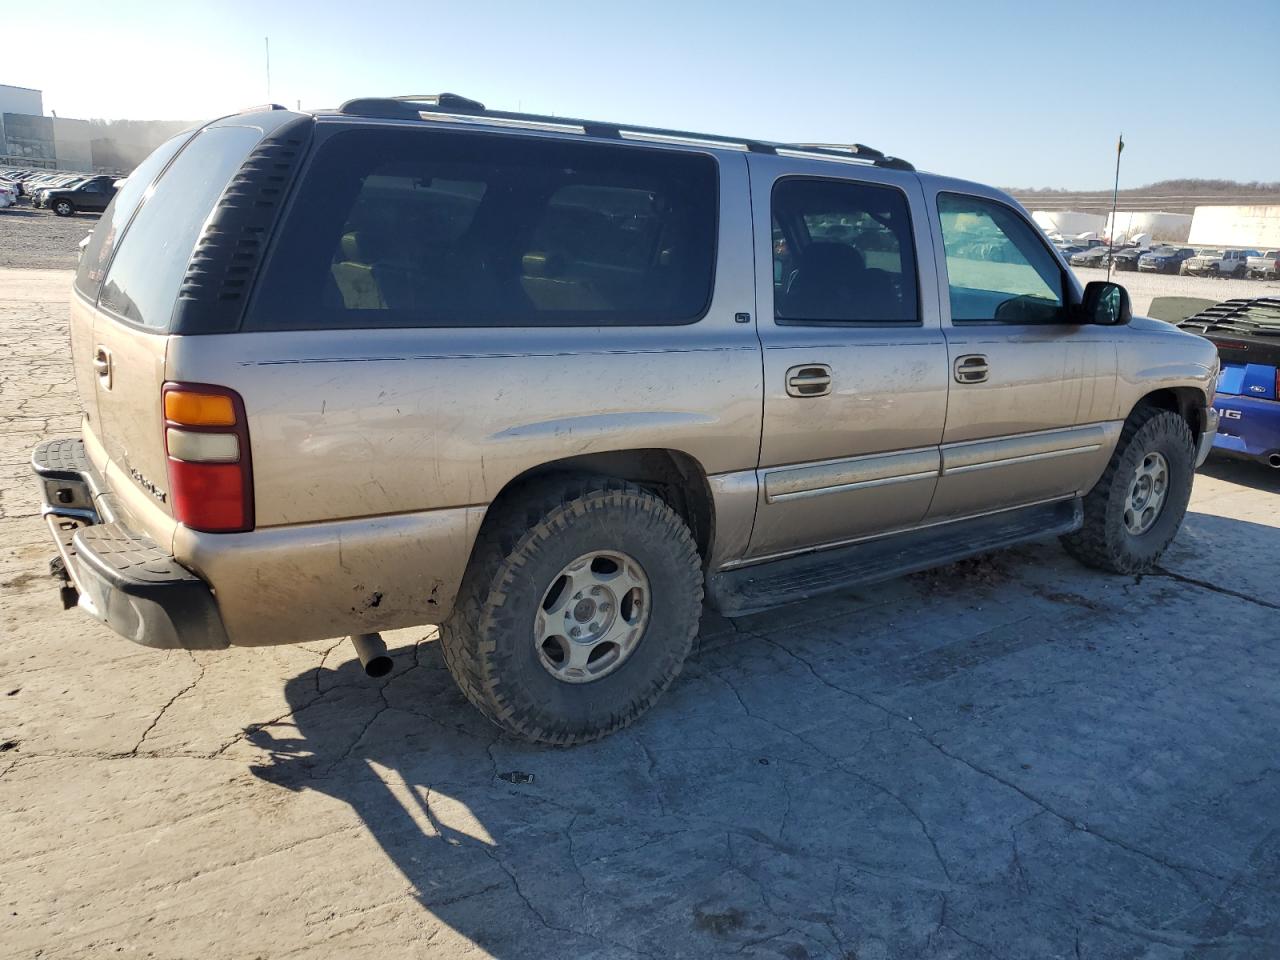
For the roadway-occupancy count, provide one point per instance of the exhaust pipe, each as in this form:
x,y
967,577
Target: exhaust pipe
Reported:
x,y
1274,460
372,652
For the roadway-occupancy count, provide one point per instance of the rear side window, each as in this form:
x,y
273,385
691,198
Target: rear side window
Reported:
x,y
843,252
402,228
102,242
142,282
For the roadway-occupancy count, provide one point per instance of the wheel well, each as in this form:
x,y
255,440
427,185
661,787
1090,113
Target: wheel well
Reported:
x,y
674,476
1186,402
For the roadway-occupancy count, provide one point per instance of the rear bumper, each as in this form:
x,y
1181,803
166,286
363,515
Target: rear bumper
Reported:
x,y
123,578
1247,427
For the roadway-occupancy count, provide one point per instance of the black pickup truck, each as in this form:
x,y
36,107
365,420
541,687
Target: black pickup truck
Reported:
x,y
93,194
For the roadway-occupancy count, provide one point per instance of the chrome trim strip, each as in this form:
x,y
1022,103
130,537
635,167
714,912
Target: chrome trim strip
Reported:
x,y
833,476
1027,458
996,451
853,485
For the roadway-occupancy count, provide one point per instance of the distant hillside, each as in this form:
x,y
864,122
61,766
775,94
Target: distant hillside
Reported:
x,y
1173,196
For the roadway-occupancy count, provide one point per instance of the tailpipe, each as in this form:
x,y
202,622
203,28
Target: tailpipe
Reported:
x,y
1274,460
372,652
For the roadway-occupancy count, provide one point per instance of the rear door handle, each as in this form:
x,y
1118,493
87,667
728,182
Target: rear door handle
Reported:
x,y
971,368
809,380
102,365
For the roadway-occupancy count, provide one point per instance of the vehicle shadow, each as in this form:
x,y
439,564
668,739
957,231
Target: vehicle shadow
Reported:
x,y
947,766
1246,473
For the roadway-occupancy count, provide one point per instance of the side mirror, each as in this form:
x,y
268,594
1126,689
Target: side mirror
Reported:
x,y
1106,304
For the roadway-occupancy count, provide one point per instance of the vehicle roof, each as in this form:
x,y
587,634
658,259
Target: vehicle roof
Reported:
x,y
403,111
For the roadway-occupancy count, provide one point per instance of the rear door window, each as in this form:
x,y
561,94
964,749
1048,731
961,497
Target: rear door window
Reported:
x,y
404,228
107,232
142,282
842,252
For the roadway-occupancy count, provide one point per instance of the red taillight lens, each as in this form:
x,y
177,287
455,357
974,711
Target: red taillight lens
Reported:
x,y
207,446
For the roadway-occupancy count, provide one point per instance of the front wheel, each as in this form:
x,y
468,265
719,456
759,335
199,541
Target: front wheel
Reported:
x,y
1133,513
577,610
63,208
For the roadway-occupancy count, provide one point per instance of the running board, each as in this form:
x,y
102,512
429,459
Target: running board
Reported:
x,y
774,582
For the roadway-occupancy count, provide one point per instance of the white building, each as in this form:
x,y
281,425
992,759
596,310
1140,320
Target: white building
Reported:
x,y
1069,223
21,100
1257,227
30,139
1158,225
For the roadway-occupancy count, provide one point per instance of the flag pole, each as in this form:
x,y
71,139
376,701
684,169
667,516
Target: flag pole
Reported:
x,y
1115,196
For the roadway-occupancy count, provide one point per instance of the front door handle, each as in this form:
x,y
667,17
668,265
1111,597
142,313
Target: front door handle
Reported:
x,y
102,365
809,380
971,368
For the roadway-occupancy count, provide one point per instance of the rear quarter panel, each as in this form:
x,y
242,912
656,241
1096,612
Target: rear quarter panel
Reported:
x,y
363,440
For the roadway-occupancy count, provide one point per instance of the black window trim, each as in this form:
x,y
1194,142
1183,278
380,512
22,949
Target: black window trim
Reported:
x,y
327,131
1068,290
915,256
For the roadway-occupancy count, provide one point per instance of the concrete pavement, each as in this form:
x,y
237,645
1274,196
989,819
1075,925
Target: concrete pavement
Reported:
x,y
1014,757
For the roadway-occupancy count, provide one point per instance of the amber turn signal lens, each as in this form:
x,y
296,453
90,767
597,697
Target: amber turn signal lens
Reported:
x,y
199,409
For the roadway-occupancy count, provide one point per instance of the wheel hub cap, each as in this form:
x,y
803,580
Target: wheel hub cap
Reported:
x,y
592,616
1147,490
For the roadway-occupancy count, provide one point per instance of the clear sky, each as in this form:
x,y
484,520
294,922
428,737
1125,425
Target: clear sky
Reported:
x,y
1019,94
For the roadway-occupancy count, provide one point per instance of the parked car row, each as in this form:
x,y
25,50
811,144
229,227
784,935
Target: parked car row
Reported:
x,y
63,193
1186,261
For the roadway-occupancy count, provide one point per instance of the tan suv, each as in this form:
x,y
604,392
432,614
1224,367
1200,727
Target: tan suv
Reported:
x,y
551,383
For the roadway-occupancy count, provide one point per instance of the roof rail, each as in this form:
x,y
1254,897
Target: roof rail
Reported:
x,y
451,106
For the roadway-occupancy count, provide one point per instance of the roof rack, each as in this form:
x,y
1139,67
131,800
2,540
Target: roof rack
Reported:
x,y
455,108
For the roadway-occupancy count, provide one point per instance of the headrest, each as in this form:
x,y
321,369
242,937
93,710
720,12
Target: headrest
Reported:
x,y
539,263
822,256
351,247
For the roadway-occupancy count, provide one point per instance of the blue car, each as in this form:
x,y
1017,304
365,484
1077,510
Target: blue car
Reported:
x,y
1247,334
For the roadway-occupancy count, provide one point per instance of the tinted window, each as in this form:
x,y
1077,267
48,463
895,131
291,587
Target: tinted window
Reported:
x,y
142,283
97,255
842,252
997,267
404,228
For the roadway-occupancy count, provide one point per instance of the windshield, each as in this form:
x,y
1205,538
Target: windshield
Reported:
x,y
1210,253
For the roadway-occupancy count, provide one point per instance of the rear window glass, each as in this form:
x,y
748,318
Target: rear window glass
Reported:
x,y
142,282
395,228
842,251
102,242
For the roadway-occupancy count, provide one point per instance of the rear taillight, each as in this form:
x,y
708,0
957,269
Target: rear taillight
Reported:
x,y
206,440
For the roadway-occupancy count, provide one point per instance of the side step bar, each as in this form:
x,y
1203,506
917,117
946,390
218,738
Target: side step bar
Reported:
x,y
770,584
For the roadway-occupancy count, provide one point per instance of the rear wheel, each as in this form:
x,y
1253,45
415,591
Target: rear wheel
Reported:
x,y
1133,513
577,610
63,208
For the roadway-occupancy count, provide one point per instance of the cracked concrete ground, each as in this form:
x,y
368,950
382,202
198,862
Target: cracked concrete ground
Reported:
x,y
1016,758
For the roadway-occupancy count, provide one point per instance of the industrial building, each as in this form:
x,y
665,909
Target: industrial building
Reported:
x,y
1256,226
1152,224
30,139
1069,223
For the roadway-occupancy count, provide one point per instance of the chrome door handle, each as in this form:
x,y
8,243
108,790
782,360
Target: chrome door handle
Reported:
x,y
809,380
971,368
